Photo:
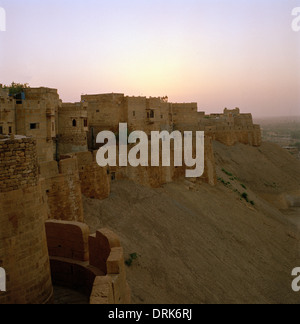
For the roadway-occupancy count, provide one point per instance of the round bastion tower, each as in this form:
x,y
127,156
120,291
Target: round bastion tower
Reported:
x,y
23,246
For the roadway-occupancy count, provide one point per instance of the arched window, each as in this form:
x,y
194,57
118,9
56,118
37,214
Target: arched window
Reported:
x,y
74,123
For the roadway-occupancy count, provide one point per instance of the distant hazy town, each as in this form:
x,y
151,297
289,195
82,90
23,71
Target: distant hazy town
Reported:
x,y
284,131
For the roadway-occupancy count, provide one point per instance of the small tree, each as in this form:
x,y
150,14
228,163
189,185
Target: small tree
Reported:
x,y
16,88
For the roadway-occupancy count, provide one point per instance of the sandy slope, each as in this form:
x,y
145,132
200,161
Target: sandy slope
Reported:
x,y
207,246
268,168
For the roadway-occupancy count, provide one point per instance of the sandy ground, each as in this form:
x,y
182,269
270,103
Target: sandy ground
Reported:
x,y
65,296
293,215
209,245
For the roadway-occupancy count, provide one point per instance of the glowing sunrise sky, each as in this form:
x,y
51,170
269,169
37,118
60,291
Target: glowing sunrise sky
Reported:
x,y
218,53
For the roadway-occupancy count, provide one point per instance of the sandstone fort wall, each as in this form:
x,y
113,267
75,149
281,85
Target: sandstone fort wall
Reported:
x,y
23,210
63,189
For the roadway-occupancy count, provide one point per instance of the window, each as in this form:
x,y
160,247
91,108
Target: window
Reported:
x,y
10,130
85,123
74,123
133,113
113,176
162,116
1,130
150,114
34,126
97,110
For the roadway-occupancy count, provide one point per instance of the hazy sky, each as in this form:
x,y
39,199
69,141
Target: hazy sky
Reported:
x,y
218,53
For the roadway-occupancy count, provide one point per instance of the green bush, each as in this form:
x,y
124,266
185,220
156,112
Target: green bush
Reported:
x,y
16,88
132,257
244,195
226,184
228,173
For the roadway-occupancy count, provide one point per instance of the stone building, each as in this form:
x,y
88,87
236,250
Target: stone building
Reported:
x,y
7,113
231,127
32,114
62,128
106,111
36,117
72,128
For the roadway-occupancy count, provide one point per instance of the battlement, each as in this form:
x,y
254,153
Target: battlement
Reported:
x,y
232,112
102,97
93,264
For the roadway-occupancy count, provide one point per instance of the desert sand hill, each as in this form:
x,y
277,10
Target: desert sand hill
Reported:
x,y
209,245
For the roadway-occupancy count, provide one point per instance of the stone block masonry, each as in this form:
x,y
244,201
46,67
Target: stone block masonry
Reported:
x,y
95,181
18,163
23,210
63,189
72,127
66,180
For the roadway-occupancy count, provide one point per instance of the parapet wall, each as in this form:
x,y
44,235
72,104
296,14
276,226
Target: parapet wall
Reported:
x,y
62,185
92,264
95,181
66,180
230,135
